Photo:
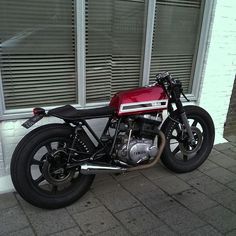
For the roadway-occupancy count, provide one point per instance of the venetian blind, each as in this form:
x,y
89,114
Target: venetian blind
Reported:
x,y
37,52
114,36
176,30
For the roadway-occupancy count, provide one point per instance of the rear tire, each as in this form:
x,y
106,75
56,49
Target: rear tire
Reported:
x,y
177,156
24,158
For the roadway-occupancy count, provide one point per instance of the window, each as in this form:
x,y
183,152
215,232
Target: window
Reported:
x,y
114,42
37,52
83,51
175,41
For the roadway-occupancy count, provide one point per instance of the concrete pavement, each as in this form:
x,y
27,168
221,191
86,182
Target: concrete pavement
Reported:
x,y
150,202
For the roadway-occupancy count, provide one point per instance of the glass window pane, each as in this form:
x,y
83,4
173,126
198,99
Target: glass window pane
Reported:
x,y
114,43
37,52
176,33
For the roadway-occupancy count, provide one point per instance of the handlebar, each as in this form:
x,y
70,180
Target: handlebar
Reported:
x,y
172,86
165,78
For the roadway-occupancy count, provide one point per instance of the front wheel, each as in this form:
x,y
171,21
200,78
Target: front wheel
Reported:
x,y
38,167
179,154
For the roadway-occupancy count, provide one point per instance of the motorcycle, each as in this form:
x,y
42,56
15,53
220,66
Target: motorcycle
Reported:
x,y
55,164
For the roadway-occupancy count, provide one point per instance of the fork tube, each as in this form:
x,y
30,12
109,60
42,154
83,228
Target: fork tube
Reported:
x,y
184,119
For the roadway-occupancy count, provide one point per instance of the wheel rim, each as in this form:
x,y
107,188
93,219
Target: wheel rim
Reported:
x,y
47,167
180,148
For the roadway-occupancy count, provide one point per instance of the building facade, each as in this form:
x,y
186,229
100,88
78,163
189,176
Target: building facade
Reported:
x,y
81,52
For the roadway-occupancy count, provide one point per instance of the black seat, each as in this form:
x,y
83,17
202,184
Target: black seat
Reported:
x,y
70,113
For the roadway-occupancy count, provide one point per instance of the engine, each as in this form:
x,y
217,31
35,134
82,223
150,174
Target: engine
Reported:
x,y
137,151
137,143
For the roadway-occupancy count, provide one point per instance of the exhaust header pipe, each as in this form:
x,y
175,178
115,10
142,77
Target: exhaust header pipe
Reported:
x,y
90,169
97,168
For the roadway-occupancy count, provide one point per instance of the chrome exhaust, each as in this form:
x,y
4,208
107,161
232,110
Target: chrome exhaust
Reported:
x,y
97,168
90,169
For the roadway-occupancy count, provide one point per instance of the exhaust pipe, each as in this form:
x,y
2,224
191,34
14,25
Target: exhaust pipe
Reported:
x,y
90,169
102,168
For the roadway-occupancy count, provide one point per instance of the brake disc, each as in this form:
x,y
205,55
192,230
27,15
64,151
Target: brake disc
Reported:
x,y
198,138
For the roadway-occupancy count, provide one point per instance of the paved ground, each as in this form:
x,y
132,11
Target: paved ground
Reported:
x,y
151,202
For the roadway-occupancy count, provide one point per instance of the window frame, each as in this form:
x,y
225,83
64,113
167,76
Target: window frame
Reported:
x,y
80,59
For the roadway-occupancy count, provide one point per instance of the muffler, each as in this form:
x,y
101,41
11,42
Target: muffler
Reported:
x,y
102,168
90,169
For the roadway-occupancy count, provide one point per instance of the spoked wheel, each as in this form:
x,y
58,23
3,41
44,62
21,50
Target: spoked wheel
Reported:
x,y
39,167
180,155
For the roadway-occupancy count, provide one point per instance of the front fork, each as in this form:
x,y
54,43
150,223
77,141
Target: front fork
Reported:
x,y
184,118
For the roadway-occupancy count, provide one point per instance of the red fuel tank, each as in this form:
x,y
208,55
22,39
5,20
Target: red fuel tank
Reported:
x,y
140,101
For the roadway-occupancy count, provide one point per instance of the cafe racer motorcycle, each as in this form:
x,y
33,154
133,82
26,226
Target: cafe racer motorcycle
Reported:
x,y
55,164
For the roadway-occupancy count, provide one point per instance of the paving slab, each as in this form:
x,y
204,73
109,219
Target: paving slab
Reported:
x,y
126,176
190,175
206,185
232,233
139,186
117,231
206,230
195,200
156,172
105,186
47,221
118,200
69,232
181,219
22,232
138,220
171,184
223,160
12,219
232,185
220,218
207,165
232,169
230,153
88,201
96,220
227,198
158,203
223,146
221,175
214,151
7,200
163,230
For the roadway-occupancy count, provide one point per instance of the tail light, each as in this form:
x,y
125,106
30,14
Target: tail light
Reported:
x,y
38,111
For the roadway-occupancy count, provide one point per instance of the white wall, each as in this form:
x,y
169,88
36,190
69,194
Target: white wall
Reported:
x,y
220,65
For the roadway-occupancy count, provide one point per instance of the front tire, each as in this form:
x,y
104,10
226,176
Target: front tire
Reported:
x,y
178,155
40,183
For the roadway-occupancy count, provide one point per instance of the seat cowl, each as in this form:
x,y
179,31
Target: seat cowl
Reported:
x,y
70,113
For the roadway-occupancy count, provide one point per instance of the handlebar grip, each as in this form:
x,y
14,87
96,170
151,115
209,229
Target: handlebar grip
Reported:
x,y
163,77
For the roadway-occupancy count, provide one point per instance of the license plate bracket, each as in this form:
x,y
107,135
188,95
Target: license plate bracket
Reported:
x,y
32,120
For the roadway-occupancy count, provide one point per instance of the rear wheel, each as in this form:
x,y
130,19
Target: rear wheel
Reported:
x,y
179,154
38,167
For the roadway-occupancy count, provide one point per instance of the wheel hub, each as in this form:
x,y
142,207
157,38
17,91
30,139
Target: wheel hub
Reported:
x,y
190,149
54,171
